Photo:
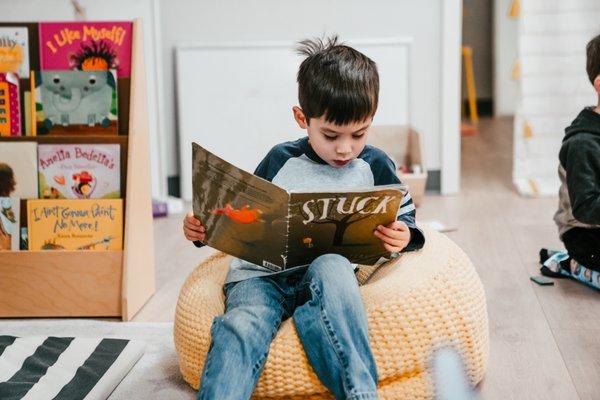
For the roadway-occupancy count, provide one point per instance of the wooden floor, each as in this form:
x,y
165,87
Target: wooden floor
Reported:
x,y
544,341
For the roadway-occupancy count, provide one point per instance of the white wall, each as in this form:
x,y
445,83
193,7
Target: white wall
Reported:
x,y
185,21
506,34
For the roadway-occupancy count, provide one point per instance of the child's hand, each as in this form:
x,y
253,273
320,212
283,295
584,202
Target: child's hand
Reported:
x,y
193,228
395,236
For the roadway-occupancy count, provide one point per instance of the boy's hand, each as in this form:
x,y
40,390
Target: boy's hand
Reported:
x,y
193,228
395,236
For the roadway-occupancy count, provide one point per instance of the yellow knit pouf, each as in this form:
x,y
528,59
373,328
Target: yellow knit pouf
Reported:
x,y
424,300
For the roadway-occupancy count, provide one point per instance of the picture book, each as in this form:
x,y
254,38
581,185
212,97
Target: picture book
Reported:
x,y
257,221
19,53
14,50
9,223
79,171
75,102
88,224
91,46
18,170
10,110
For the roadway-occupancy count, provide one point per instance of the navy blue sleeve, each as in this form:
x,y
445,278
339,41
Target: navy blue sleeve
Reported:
x,y
384,173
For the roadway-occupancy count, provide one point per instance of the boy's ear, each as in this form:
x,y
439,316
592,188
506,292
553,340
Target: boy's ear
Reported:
x,y
300,117
597,84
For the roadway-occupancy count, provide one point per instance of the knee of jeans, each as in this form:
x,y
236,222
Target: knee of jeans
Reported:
x,y
331,267
243,321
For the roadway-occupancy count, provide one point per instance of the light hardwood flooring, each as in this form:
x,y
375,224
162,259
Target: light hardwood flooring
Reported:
x,y
544,341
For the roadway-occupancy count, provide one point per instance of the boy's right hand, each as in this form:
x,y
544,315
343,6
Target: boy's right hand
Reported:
x,y
193,228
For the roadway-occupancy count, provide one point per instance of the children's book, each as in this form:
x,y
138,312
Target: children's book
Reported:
x,y
91,46
79,171
75,224
18,170
19,53
9,223
257,221
75,102
14,50
10,109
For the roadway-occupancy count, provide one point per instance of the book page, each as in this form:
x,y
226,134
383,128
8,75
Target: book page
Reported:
x,y
341,223
244,215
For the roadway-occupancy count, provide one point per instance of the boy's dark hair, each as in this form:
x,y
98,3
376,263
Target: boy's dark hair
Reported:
x,y
336,81
593,58
7,180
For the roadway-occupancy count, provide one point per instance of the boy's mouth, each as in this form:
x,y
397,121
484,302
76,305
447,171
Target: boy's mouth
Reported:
x,y
341,163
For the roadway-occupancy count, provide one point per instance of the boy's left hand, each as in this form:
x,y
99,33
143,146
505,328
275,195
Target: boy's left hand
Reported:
x,y
395,236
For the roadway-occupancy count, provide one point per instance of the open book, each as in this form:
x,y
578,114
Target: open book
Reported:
x,y
255,220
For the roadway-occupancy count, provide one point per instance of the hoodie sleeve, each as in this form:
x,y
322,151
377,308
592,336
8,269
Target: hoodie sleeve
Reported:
x,y
581,160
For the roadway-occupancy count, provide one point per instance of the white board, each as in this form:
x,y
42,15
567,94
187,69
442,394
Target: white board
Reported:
x,y
236,99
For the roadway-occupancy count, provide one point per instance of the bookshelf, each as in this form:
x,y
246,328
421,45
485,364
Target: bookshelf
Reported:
x,y
86,283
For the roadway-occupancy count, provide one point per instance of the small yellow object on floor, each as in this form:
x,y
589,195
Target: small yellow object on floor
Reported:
x,y
415,304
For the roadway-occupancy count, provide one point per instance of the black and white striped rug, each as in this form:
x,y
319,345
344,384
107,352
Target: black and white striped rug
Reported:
x,y
64,368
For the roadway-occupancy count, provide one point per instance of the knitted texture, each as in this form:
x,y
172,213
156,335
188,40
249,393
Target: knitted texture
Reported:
x,y
417,303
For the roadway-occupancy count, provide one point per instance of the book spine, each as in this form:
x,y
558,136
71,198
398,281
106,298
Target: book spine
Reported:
x,y
287,233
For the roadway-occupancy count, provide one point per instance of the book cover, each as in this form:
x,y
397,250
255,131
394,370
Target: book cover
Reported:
x,y
88,224
10,109
91,45
75,102
19,52
9,223
79,171
18,170
14,50
257,221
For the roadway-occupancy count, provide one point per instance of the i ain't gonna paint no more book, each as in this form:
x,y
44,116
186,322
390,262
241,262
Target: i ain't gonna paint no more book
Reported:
x,y
259,222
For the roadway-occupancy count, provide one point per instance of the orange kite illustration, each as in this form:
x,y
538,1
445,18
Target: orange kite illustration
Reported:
x,y
245,215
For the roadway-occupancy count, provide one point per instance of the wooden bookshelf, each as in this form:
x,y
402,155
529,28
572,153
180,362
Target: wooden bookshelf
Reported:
x,y
94,283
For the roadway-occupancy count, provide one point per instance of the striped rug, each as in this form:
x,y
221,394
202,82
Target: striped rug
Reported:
x,y
64,368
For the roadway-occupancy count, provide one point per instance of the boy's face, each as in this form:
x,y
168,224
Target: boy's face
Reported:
x,y
337,145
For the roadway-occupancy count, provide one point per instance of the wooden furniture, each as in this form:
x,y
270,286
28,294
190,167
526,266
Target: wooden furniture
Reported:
x,y
94,283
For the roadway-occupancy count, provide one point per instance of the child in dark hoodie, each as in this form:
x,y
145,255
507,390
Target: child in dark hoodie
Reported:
x,y
578,215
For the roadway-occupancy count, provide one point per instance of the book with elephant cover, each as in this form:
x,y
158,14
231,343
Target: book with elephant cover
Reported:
x,y
85,224
259,222
79,171
75,102
91,46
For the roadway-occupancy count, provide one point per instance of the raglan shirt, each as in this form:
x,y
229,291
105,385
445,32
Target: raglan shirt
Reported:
x,y
294,165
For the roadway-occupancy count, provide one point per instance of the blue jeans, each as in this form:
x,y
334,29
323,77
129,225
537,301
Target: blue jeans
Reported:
x,y
324,301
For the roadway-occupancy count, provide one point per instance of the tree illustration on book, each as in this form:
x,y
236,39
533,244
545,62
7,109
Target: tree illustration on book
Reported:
x,y
257,221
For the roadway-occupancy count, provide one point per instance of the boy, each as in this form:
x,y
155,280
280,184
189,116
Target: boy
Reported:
x,y
578,216
338,90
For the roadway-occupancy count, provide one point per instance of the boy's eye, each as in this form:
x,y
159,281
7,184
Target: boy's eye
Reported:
x,y
330,137
358,136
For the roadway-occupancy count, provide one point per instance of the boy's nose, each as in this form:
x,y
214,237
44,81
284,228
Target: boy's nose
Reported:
x,y
344,150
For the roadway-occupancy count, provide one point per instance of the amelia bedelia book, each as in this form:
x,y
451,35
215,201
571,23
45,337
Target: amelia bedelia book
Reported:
x,y
9,223
74,102
79,171
257,221
18,170
91,46
75,224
